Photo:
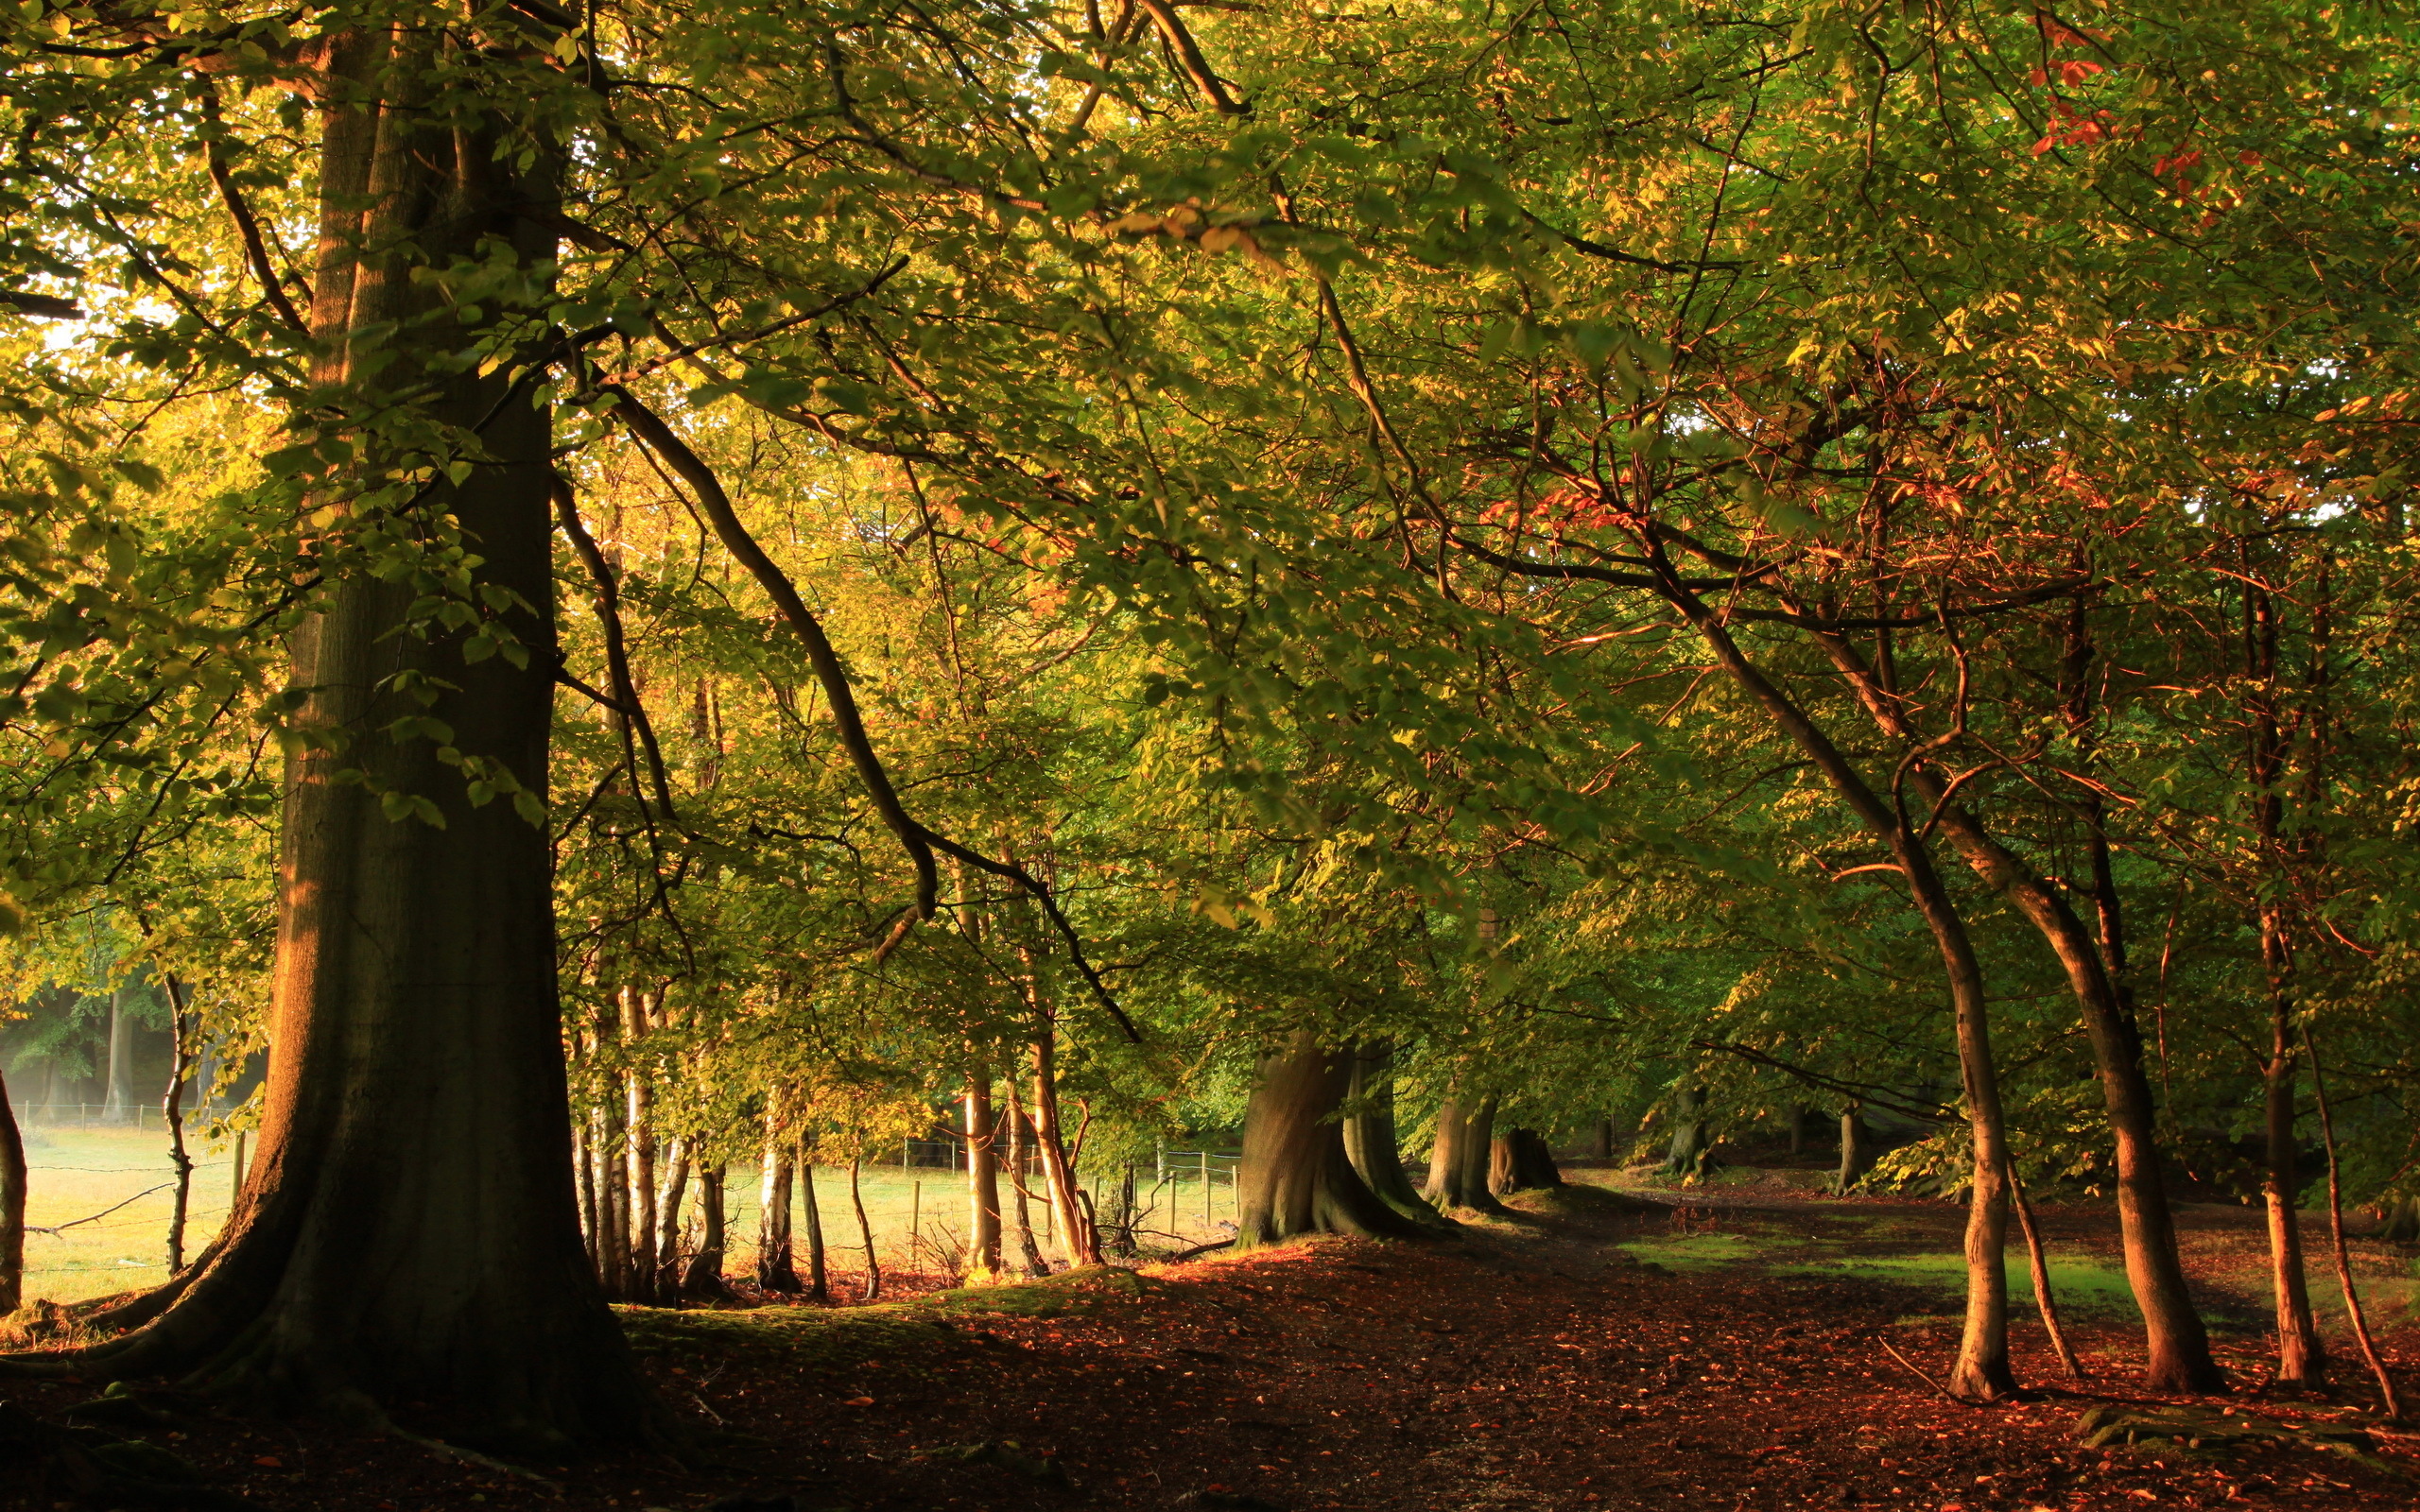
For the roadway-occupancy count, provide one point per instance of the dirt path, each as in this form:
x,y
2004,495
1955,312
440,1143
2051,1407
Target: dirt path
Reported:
x,y
1533,1364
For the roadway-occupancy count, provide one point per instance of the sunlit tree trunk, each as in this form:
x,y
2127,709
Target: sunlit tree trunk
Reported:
x,y
1370,1139
982,1180
1983,1370
1075,1232
408,1234
865,1235
776,1271
1519,1160
819,1277
639,1087
667,1259
1295,1178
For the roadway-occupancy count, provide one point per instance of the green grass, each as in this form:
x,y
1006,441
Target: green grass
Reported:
x,y
74,1173
2078,1282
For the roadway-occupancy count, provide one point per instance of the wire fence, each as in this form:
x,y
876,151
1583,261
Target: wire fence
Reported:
x,y
105,1115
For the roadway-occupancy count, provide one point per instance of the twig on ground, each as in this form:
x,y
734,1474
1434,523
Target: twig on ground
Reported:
x,y
1942,1391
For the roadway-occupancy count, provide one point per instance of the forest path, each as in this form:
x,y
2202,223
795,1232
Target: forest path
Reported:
x,y
1533,1363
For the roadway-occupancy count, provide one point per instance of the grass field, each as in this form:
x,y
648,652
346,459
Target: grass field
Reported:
x,y
918,1215
76,1172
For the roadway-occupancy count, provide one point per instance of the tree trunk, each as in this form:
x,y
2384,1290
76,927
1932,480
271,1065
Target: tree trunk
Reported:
x,y
2302,1358
585,1173
1019,1169
818,1278
1982,1368
117,1104
1295,1178
172,1112
1601,1142
1856,1151
1370,1141
13,1206
1080,1239
982,1180
667,1226
1520,1161
1458,1158
613,1205
776,1271
408,1234
2401,1224
639,1085
1690,1152
865,1235
1797,1130
702,1281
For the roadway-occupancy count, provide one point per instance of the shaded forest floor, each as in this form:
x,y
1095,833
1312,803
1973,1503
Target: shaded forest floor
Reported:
x,y
1715,1351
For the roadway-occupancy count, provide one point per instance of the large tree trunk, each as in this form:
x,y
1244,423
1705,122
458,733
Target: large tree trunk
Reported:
x,y
982,1180
13,1206
1295,1178
1690,1152
1459,1155
408,1234
1520,1161
1370,1141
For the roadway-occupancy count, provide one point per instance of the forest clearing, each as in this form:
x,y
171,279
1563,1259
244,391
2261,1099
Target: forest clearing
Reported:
x,y
773,754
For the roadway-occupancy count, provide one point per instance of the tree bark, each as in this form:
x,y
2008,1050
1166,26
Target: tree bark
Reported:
x,y
1458,1158
613,1204
1690,1152
873,1290
667,1259
702,1281
819,1277
172,1112
1600,1144
1520,1161
776,1271
1982,1368
982,1180
1079,1237
13,1206
408,1234
117,1104
639,1283
1856,1151
1295,1178
1019,1169
1370,1141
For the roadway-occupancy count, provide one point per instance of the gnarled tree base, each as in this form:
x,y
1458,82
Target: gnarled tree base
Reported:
x,y
1295,1178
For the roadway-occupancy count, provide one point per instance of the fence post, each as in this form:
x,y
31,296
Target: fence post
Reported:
x,y
1205,1186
